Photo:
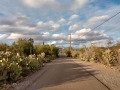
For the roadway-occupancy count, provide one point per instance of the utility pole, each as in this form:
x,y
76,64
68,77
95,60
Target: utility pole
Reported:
x,y
70,42
43,43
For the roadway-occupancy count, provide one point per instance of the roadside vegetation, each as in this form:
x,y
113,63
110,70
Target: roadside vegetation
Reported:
x,y
109,56
22,58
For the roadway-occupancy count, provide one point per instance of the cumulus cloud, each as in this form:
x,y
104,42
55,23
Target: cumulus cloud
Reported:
x,y
41,3
62,21
85,35
74,27
74,16
22,29
3,36
50,25
53,42
55,4
60,36
22,26
17,20
15,36
78,4
46,34
96,20
18,24
59,43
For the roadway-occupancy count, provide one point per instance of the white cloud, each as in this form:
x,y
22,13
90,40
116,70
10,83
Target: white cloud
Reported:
x,y
18,29
50,25
95,20
59,43
53,42
62,21
55,4
41,3
60,36
85,35
18,24
73,17
3,36
15,36
74,27
77,4
55,26
46,34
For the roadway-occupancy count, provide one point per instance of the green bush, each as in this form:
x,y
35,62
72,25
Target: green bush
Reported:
x,y
75,54
3,71
34,63
68,52
9,71
14,72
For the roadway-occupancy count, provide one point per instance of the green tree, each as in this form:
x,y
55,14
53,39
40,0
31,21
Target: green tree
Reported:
x,y
24,46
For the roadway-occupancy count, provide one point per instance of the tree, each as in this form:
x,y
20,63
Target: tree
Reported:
x,y
54,50
25,46
31,45
109,43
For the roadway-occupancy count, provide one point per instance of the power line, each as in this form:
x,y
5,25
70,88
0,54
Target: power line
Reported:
x,y
106,21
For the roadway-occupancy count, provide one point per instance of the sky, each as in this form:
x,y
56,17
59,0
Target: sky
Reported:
x,y
52,21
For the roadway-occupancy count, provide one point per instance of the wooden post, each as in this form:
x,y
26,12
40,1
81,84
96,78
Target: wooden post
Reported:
x,y
70,42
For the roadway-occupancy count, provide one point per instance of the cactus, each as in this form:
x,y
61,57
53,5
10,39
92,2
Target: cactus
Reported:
x,y
109,57
42,55
15,71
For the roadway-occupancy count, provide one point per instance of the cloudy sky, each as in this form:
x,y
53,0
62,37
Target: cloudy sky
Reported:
x,y
52,21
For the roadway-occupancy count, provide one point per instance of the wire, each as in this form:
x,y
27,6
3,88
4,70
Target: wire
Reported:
x,y
106,21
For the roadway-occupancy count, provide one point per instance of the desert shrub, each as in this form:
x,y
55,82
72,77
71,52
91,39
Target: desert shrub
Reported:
x,y
42,55
96,55
109,57
48,58
34,63
54,50
47,49
68,53
30,64
118,57
82,56
87,54
14,72
75,54
3,47
3,71
9,71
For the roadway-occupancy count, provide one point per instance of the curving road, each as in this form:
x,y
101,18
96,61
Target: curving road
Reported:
x,y
65,74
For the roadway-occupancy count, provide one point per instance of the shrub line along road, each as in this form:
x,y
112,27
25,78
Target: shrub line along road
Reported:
x,y
62,74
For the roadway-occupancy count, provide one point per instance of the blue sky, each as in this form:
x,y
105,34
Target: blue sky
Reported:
x,y
51,21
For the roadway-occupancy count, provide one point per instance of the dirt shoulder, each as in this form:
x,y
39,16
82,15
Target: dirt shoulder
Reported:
x,y
110,77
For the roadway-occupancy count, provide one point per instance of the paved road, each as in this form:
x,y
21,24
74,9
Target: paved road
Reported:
x,y
65,74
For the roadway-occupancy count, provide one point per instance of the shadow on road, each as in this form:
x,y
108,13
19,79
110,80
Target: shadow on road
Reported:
x,y
62,71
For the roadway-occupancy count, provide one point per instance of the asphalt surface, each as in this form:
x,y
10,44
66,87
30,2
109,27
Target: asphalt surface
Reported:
x,y
65,74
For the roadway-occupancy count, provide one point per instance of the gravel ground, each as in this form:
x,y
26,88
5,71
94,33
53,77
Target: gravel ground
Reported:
x,y
109,76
